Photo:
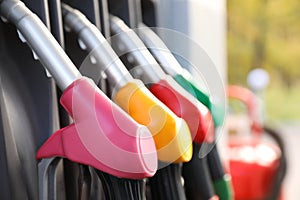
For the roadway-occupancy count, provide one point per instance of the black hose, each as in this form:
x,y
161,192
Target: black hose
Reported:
x,y
215,164
282,169
197,180
166,184
116,188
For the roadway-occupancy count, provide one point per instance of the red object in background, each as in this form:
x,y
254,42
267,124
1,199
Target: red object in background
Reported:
x,y
249,99
253,163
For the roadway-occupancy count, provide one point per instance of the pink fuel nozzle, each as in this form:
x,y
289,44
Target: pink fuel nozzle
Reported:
x,y
102,135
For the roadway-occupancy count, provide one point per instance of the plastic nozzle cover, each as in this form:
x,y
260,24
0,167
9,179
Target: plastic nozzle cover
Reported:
x,y
186,81
187,107
102,135
171,133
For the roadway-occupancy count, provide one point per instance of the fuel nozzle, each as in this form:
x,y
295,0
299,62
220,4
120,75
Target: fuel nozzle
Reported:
x,y
101,130
171,134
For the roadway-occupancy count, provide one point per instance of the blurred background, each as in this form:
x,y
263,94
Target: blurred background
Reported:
x,y
266,34
241,36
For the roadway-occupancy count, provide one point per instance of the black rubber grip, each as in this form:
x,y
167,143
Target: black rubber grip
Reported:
x,y
215,164
197,179
282,168
122,189
166,184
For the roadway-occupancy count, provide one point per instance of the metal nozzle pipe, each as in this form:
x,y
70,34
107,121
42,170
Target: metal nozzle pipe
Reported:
x,y
127,41
159,50
97,45
40,40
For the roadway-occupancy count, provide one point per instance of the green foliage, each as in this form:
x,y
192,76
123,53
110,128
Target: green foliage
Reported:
x,y
264,33
282,105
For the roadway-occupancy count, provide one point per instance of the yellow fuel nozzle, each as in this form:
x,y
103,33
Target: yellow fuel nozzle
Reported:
x,y
171,134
